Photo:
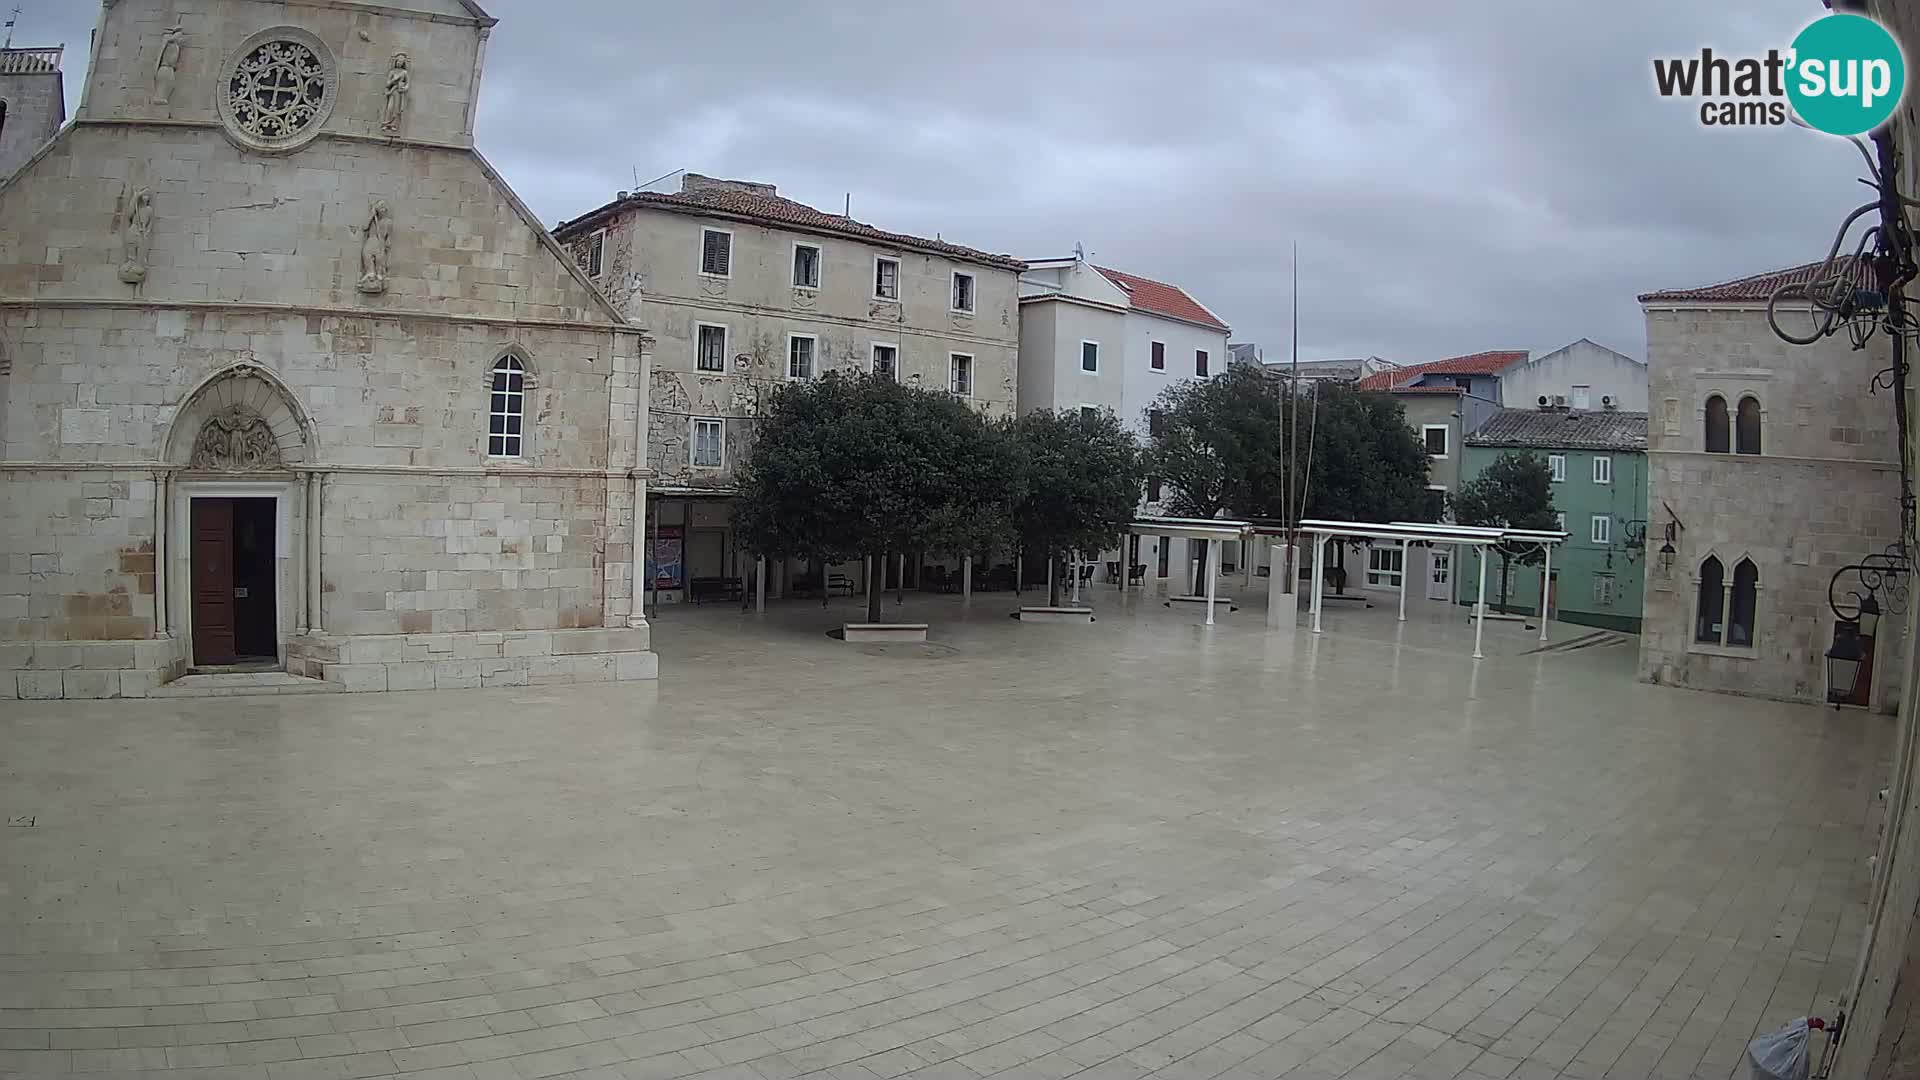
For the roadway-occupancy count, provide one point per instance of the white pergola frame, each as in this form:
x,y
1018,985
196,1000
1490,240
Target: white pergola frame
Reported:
x,y
1455,535
1195,529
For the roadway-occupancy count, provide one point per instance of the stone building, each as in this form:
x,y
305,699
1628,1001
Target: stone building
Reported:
x,y
1770,469
293,378
33,103
746,290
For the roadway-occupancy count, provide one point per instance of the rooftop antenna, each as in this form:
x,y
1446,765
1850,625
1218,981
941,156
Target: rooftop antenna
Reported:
x,y
1079,252
11,19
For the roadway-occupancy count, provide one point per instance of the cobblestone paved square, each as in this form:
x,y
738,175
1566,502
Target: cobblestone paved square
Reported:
x,y
1141,848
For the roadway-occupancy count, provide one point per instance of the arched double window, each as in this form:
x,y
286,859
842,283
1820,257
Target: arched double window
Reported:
x,y
1746,426
507,408
1725,612
1719,430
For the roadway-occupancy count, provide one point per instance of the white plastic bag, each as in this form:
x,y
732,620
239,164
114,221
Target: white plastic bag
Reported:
x,y
1781,1055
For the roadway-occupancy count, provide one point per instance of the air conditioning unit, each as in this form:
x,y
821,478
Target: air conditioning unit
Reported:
x,y
1606,401
1543,401
1559,401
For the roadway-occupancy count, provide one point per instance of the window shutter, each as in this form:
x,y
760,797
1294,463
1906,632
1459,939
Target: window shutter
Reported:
x,y
716,254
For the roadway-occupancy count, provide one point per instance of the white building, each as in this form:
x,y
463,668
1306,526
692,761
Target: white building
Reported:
x,y
1589,376
1092,337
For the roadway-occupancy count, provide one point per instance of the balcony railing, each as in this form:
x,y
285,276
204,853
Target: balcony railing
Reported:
x,y
30,61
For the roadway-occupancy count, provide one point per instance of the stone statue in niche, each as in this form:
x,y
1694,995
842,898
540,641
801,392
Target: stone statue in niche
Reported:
x,y
166,71
235,439
136,238
374,248
399,81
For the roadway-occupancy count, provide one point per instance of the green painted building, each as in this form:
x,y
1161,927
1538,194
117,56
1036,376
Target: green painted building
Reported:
x,y
1599,464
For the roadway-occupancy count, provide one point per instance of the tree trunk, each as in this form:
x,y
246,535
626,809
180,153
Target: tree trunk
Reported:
x,y
1053,579
876,589
1200,571
818,568
1339,568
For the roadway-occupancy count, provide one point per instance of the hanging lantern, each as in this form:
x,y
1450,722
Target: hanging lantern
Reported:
x,y
1869,617
1844,661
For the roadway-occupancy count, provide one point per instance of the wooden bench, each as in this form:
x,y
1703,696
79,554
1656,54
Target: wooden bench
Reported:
x,y
711,588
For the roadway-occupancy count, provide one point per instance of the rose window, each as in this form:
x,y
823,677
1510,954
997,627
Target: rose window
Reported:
x,y
277,90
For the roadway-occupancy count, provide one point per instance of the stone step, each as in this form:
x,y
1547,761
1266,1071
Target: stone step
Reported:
x,y
244,683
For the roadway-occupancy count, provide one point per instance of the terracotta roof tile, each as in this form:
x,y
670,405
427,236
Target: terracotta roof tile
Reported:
x,y
1161,298
778,211
1492,362
1757,288
1569,430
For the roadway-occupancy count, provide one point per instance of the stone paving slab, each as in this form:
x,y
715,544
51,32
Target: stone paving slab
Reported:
x,y
1141,848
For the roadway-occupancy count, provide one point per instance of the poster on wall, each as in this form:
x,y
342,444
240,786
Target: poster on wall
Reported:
x,y
666,557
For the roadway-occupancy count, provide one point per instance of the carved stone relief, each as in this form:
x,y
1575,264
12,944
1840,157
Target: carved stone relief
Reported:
x,y
136,238
375,242
166,70
277,90
235,439
399,81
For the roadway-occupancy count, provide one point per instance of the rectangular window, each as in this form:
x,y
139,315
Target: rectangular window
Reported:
x,y
806,266
1166,542
799,356
1090,356
507,409
884,363
1385,565
1156,423
1582,397
1153,489
710,351
1557,467
1088,412
1603,589
716,253
709,443
886,278
1560,520
1602,529
1603,470
960,374
963,292
593,259
1159,361
1200,362
1436,437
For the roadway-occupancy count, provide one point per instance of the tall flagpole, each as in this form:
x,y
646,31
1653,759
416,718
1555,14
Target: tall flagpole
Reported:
x,y
1294,509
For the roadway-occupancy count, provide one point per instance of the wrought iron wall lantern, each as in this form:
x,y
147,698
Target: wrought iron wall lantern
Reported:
x,y
1857,610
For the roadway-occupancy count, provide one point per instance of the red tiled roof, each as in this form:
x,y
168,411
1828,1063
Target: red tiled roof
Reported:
x,y
1757,288
1492,362
1161,298
778,211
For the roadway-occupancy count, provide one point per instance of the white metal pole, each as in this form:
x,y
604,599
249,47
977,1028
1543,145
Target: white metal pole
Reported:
x,y
1546,581
760,584
1246,563
966,580
1403,581
1213,572
1076,577
1480,605
866,575
1319,574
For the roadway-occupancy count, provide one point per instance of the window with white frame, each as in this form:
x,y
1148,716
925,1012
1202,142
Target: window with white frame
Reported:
x,y
593,259
507,409
1560,520
1200,363
800,356
1603,470
710,347
1603,589
1582,397
1385,565
886,278
709,443
960,374
806,266
1557,467
1600,530
1089,412
1090,356
716,253
963,292
1158,362
1435,436
884,362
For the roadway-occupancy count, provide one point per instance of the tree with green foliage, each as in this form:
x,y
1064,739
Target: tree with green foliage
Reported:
x,y
847,466
1361,461
1218,444
1078,484
1515,492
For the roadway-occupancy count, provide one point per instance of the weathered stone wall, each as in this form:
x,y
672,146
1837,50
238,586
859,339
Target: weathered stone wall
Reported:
x,y
1823,493
79,555
36,107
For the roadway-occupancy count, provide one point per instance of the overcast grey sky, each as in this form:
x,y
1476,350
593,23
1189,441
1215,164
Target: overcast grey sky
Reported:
x,y
1459,176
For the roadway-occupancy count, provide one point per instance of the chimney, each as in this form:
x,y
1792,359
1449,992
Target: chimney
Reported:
x,y
690,182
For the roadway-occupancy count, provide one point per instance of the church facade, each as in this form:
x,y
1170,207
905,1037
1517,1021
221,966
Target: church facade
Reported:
x,y
290,379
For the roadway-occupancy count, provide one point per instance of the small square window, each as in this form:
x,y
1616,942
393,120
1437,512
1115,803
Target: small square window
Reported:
x,y
1603,589
710,353
709,443
716,253
799,357
960,374
1560,520
885,363
963,292
1436,439
1089,412
1602,529
1557,467
1200,363
886,279
1603,470
806,266
1159,361
1090,356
